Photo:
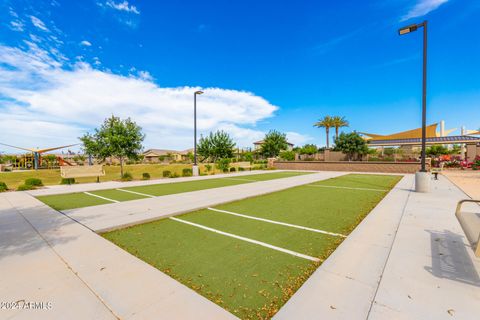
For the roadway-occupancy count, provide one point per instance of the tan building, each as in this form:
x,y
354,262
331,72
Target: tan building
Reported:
x,y
411,140
165,155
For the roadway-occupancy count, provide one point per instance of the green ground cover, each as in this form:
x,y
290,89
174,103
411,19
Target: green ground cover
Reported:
x,y
80,200
52,176
249,280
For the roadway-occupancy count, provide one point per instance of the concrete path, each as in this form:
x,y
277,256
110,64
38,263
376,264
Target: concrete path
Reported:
x,y
467,180
46,257
408,259
431,272
82,187
118,215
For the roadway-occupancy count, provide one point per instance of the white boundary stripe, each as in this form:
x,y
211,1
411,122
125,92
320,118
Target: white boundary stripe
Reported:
x,y
94,195
280,223
263,244
338,187
240,179
134,192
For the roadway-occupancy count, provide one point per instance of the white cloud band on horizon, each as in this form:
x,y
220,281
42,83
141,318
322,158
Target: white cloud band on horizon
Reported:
x,y
423,7
52,104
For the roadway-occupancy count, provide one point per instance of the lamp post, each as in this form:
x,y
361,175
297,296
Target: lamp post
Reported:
x,y
195,171
422,179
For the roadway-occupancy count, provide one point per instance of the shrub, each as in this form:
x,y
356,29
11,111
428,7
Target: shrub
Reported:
x,y
223,164
167,174
3,187
187,172
127,176
232,169
287,155
67,181
145,176
175,175
241,169
34,182
24,187
208,167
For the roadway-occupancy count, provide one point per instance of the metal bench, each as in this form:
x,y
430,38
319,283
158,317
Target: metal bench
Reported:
x,y
470,222
82,171
243,165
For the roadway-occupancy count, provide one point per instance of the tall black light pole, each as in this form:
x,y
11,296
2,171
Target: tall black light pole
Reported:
x,y
422,180
195,167
403,31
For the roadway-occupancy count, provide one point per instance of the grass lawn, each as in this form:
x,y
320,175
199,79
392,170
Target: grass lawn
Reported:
x,y
247,279
80,200
52,176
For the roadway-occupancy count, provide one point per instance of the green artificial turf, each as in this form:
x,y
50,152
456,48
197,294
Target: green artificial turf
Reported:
x,y
249,280
71,200
80,200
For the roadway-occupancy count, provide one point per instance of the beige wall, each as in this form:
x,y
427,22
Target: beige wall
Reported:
x,y
472,152
353,166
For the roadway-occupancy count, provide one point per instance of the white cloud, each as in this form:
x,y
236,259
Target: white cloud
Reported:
x,y
122,6
422,7
17,25
145,75
86,43
38,23
298,139
41,94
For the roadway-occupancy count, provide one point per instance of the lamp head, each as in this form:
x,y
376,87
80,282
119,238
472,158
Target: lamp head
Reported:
x,y
198,92
407,29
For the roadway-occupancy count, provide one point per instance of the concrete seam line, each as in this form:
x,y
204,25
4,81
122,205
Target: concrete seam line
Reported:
x,y
280,223
350,188
391,247
240,179
94,195
134,192
263,244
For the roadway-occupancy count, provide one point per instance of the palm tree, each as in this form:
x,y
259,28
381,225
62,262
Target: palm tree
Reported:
x,y
339,122
327,123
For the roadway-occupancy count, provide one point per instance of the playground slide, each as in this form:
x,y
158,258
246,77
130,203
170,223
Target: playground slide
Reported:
x,y
63,162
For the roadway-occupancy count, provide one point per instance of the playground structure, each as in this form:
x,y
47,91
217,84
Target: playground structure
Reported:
x,y
33,160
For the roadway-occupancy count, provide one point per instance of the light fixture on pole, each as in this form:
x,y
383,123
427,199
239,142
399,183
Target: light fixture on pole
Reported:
x,y
195,170
422,179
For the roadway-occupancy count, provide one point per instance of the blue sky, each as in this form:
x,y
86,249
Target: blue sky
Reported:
x,y
66,65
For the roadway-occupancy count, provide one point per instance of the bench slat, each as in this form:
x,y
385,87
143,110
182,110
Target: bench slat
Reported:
x,y
82,171
470,223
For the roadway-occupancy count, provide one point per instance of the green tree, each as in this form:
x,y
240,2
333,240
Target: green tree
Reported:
x,y
248,156
339,122
287,155
352,144
50,159
217,145
309,149
437,150
327,123
273,143
121,139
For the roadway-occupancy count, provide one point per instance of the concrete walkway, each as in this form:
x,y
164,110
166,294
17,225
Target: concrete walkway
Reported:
x,y
408,259
82,187
46,257
118,215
